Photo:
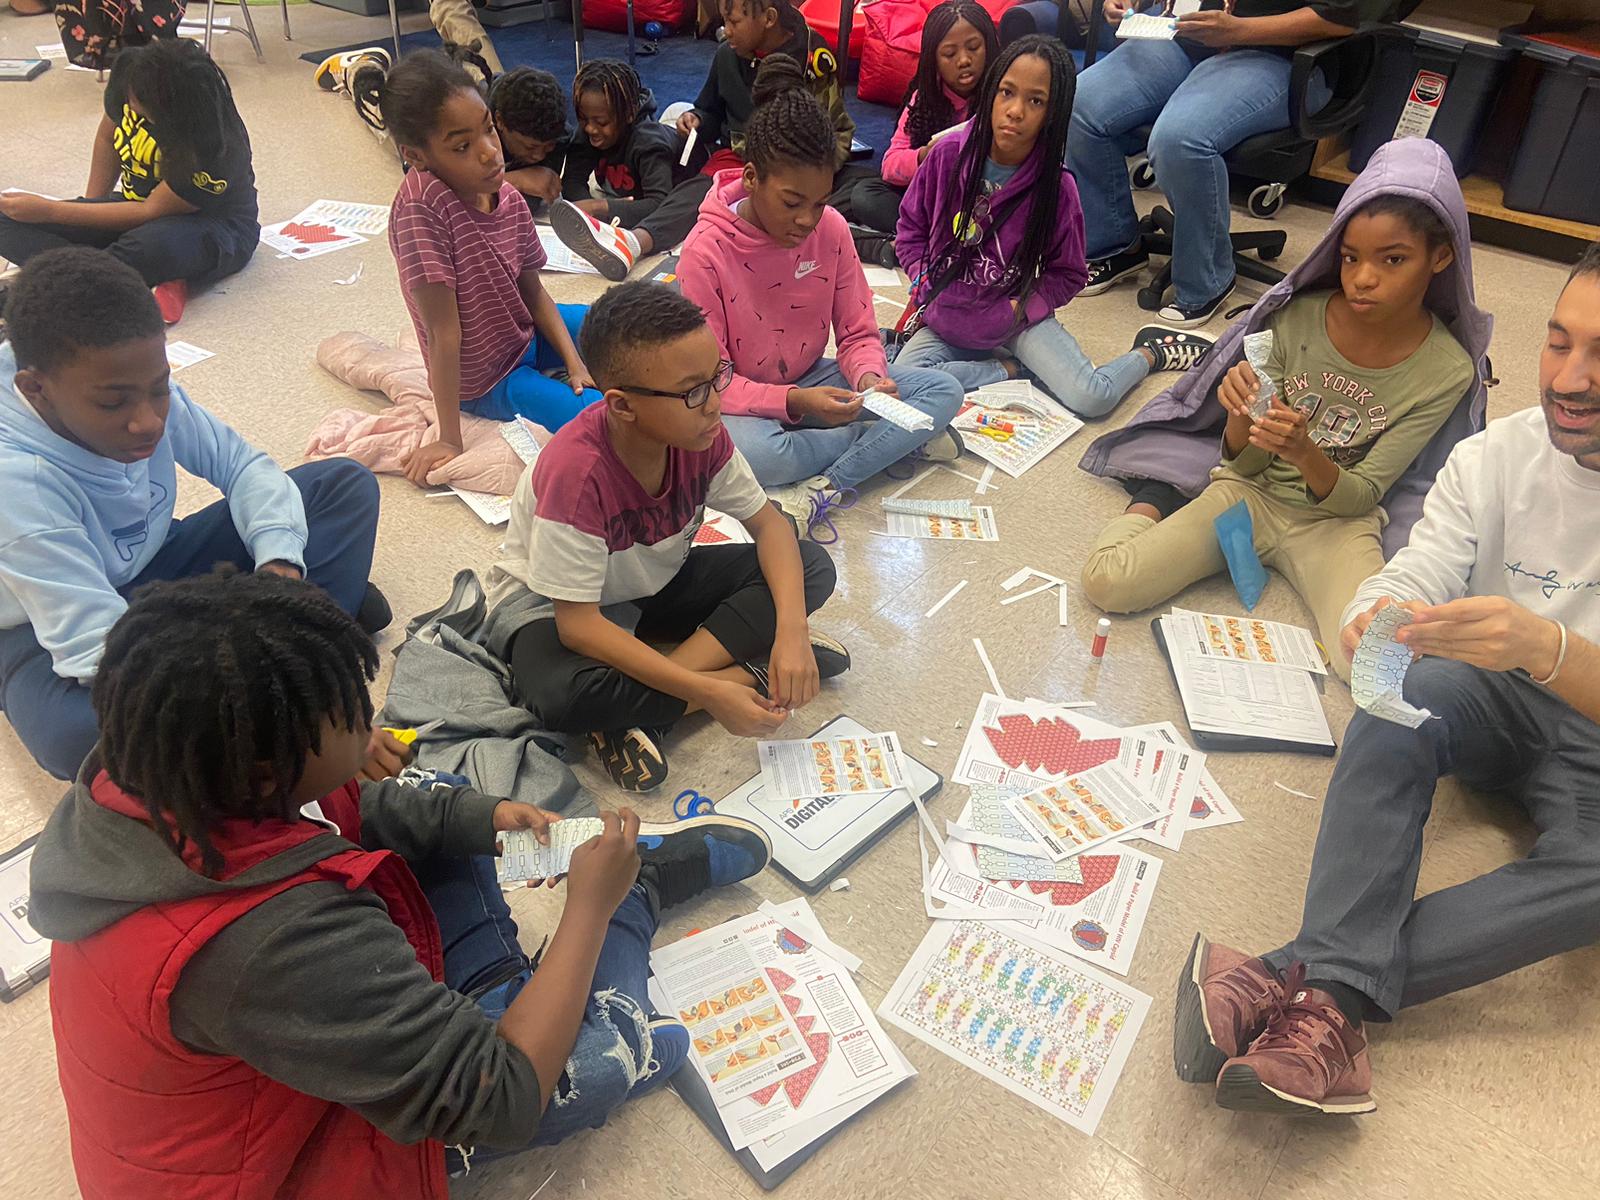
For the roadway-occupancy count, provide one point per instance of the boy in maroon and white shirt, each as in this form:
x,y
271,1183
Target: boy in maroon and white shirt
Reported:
x,y
599,559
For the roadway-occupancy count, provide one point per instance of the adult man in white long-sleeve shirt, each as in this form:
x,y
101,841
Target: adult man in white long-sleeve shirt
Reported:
x,y
1502,575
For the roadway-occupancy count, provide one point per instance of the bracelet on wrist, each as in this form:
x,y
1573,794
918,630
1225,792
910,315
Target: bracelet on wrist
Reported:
x,y
1561,657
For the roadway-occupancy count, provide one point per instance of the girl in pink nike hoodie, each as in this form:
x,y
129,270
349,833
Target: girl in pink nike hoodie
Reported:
x,y
776,272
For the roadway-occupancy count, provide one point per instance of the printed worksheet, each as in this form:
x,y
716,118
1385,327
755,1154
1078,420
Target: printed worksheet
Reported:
x,y
1094,909
799,770
1225,695
1378,670
722,987
1025,744
1022,1013
347,216
979,527
311,239
186,354
1209,805
486,506
522,857
1085,810
1169,772
559,258
1040,429
1247,639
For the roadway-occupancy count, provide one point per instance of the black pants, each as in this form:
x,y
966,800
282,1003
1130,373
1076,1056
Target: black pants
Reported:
x,y
875,203
191,246
675,216
719,588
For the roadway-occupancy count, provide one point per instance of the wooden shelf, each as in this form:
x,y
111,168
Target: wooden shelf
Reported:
x,y
1485,198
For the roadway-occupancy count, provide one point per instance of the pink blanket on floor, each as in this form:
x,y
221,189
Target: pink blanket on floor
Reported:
x,y
381,441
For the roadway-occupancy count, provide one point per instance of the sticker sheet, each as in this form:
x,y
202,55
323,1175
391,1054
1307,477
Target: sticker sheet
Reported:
x,y
522,857
979,527
1085,810
1378,670
1051,1030
851,766
724,986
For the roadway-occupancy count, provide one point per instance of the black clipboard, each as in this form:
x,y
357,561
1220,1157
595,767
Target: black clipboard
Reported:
x,y
692,1091
1235,742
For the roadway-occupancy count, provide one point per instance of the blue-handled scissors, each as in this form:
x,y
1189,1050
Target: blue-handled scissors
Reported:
x,y
689,803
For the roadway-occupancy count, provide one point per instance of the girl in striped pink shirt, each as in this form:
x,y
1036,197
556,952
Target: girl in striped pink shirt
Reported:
x,y
469,261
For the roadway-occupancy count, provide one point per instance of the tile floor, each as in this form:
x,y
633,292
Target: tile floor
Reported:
x,y
1481,1095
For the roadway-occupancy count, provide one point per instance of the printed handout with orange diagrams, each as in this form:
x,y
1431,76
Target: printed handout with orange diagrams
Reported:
x,y
780,1033
847,766
1247,639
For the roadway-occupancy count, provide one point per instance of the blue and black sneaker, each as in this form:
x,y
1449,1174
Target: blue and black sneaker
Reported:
x,y
669,1049
679,861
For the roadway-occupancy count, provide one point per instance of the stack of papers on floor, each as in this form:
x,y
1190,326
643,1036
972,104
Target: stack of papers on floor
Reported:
x,y
1040,425
784,1050
1037,878
1247,678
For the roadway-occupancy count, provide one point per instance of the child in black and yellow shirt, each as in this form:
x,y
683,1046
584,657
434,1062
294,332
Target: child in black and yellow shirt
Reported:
x,y
171,188
755,29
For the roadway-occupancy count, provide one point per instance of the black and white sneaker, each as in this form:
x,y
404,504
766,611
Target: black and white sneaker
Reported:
x,y
632,757
1106,273
874,248
1174,349
1184,316
832,657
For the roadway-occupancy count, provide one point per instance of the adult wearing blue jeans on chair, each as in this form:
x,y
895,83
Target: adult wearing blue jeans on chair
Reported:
x,y
1223,79
92,431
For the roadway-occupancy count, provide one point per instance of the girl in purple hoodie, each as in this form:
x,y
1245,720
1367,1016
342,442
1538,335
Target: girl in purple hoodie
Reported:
x,y
991,233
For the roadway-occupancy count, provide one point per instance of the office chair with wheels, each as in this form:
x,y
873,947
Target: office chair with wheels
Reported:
x,y
1275,159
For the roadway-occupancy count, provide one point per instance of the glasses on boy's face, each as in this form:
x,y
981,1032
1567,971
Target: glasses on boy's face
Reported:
x,y
696,396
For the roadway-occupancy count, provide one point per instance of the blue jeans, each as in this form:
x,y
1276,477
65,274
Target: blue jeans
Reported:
x,y
53,716
483,959
528,392
1049,352
1200,111
851,454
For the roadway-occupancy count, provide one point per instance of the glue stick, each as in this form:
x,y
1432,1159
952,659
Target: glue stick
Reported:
x,y
1102,630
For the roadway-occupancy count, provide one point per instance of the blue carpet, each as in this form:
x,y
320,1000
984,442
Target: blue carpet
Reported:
x,y
675,73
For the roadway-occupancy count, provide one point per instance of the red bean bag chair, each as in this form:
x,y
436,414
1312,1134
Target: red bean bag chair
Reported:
x,y
823,17
612,15
892,43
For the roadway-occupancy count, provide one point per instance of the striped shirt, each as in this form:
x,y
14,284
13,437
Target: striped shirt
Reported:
x,y
437,238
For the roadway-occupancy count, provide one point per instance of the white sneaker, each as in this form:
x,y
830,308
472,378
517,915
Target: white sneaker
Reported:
x,y
799,499
610,249
943,447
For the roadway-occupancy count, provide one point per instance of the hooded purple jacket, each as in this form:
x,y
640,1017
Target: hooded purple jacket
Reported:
x,y
974,312
1177,437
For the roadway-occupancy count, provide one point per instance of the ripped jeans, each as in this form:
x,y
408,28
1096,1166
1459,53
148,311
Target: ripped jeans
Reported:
x,y
484,960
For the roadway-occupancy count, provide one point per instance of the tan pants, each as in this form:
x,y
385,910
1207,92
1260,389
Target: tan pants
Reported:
x,y
1137,563
457,21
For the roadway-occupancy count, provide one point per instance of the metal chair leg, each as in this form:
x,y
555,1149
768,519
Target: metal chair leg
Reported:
x,y
211,9
394,28
287,36
250,30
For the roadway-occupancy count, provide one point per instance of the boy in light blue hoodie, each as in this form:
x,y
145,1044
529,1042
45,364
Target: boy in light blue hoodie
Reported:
x,y
92,430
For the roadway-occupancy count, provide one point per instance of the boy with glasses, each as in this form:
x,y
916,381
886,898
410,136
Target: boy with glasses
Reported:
x,y
599,565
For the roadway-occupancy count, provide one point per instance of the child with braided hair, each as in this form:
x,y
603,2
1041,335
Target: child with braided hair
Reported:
x,y
776,272
629,154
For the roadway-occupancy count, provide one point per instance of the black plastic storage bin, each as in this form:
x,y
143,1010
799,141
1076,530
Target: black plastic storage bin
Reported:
x,y
1421,74
1556,170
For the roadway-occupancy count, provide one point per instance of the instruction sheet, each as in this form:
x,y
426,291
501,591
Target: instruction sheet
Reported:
x,y
1226,695
979,527
1247,639
801,770
1084,810
1021,1013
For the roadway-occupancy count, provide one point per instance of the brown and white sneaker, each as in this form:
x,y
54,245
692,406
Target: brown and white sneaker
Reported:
x,y
1224,1000
609,249
1310,1059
